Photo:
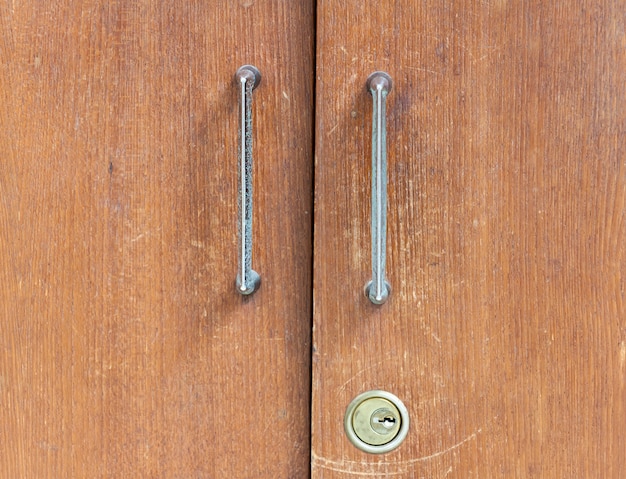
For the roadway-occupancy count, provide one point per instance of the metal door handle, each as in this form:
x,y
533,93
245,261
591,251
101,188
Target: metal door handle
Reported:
x,y
378,289
248,280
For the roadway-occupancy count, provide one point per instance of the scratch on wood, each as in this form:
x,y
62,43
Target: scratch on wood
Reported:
x,y
256,338
425,70
400,467
329,467
197,244
46,446
364,370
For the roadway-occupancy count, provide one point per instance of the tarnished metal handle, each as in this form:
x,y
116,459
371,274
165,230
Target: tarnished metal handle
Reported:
x,y
378,289
248,280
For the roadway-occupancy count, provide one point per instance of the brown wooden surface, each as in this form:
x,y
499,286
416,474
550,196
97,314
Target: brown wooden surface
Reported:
x,y
124,349
505,334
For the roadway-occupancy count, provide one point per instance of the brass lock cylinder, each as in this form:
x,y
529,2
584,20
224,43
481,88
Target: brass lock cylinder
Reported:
x,y
376,422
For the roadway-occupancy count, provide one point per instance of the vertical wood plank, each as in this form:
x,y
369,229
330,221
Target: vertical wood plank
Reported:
x,y
124,349
505,334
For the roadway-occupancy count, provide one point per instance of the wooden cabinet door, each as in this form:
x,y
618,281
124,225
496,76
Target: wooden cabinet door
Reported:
x,y
505,333
125,350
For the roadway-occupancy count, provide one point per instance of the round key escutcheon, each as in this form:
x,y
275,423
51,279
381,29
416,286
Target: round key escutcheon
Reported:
x,y
376,422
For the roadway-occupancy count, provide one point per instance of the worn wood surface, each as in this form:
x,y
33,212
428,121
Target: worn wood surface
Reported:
x,y
505,334
124,349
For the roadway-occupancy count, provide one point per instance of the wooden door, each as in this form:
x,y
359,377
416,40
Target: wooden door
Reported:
x,y
505,333
125,350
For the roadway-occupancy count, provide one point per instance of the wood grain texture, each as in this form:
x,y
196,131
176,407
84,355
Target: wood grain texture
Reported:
x,y
505,334
124,349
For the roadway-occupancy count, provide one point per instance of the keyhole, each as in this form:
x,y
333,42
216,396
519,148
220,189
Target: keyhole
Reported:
x,y
383,421
387,421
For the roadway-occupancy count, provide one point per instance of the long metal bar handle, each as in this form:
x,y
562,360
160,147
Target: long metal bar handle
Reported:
x,y
378,289
248,280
